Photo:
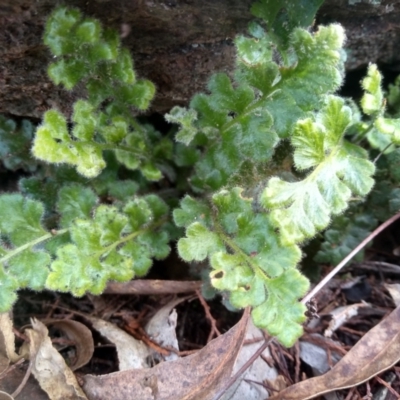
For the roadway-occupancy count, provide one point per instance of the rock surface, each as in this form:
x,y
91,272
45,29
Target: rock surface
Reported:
x,y
177,44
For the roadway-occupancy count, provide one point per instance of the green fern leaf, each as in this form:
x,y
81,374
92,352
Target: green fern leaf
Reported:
x,y
15,141
111,245
185,118
283,16
372,100
20,219
9,286
389,127
75,202
345,233
300,209
247,258
281,314
31,268
21,263
242,121
199,243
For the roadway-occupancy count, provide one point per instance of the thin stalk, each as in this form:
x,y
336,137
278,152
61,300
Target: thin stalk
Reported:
x,y
229,242
131,236
32,243
328,277
249,109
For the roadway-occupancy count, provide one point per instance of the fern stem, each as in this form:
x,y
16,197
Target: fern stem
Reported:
x,y
248,110
131,236
32,243
109,146
229,242
137,126
361,135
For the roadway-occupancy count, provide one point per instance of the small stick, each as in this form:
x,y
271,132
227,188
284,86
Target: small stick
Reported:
x,y
388,386
297,367
213,323
331,274
243,369
18,390
11,367
350,394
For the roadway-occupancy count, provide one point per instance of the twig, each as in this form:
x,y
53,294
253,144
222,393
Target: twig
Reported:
x,y
18,390
244,368
262,384
328,277
11,367
278,356
388,386
350,394
381,153
368,395
53,307
297,364
213,323
150,287
182,353
252,341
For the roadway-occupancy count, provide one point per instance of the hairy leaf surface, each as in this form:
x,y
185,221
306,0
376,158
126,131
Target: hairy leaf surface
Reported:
x,y
341,169
247,259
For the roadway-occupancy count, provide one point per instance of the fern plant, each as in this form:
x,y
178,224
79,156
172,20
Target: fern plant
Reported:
x,y
247,203
377,133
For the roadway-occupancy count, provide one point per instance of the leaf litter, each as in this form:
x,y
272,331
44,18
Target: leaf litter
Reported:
x,y
165,379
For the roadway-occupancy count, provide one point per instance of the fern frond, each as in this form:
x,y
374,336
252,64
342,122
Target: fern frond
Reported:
x,y
247,259
94,56
242,121
340,169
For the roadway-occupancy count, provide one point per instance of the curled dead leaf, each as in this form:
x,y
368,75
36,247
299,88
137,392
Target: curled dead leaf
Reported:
x,y
7,340
376,351
49,368
196,377
161,328
132,353
4,360
394,291
78,333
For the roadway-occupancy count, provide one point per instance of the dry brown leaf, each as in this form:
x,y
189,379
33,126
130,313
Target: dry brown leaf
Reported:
x,y
341,315
314,353
7,339
376,351
394,290
196,377
280,383
132,353
49,368
80,335
5,396
30,391
161,328
4,360
246,387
